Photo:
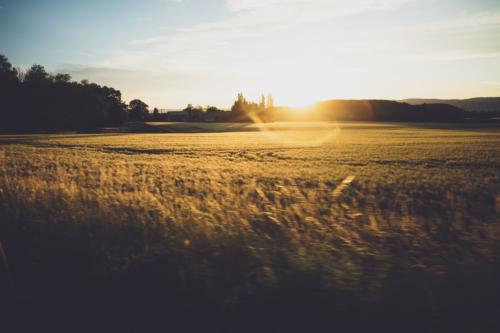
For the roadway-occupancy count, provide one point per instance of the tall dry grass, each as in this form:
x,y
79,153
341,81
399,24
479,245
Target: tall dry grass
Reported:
x,y
233,226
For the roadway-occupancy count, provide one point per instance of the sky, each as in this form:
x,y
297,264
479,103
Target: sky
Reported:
x,y
173,52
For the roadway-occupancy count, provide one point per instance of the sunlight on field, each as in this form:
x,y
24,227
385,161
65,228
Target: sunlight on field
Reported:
x,y
224,179
301,134
338,208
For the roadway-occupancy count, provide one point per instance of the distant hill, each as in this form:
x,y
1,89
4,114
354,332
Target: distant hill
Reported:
x,y
374,110
482,104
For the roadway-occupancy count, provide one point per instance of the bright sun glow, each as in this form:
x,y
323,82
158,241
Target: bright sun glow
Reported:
x,y
299,89
172,52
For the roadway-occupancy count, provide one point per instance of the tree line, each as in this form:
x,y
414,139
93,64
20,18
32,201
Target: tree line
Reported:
x,y
244,110
34,100
241,111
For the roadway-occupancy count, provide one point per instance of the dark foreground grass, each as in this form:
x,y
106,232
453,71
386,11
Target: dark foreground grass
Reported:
x,y
251,231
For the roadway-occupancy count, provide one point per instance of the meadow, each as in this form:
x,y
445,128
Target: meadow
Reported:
x,y
270,227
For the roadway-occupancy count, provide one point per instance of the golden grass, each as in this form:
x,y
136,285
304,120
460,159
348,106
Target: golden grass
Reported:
x,y
253,210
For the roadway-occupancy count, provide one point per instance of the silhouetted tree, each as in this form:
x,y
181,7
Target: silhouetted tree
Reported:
x,y
138,110
34,100
243,110
213,113
8,74
36,74
9,88
194,113
212,110
117,113
239,106
155,116
262,104
270,102
62,78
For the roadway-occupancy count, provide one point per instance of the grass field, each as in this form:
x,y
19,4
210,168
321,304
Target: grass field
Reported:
x,y
237,227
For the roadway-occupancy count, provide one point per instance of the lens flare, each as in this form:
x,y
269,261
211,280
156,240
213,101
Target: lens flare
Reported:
x,y
303,134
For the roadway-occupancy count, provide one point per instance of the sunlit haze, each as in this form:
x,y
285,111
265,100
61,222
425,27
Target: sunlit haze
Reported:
x,y
173,52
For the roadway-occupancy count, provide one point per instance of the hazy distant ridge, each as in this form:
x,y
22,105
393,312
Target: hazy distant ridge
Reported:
x,y
472,104
374,110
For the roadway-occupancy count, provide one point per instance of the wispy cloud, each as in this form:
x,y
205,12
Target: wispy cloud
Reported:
x,y
492,83
255,25
328,7
464,22
284,45
464,37
147,41
152,86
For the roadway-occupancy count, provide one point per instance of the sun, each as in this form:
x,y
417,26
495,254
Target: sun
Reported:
x,y
302,88
296,95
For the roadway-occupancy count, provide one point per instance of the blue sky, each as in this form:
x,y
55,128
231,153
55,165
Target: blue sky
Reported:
x,y
173,52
